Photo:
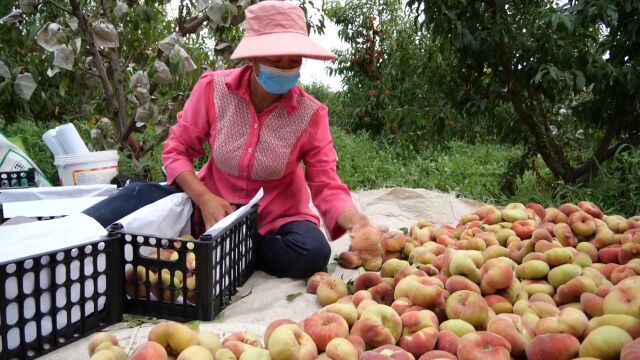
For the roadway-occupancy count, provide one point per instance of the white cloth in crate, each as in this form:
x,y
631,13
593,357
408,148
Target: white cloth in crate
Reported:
x,y
167,217
49,202
57,192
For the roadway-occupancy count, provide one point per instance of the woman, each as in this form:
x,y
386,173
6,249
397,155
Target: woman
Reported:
x,y
260,127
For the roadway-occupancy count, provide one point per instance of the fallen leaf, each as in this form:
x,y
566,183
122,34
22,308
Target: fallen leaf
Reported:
x,y
292,297
331,268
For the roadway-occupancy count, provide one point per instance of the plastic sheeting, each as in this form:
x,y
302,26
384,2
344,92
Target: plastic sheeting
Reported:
x,y
267,296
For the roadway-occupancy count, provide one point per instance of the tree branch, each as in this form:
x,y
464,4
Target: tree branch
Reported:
x,y
605,151
543,139
135,146
192,27
83,24
118,79
556,162
614,128
622,146
149,147
88,72
58,6
128,130
612,150
128,61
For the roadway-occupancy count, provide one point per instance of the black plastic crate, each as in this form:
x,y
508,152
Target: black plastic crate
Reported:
x,y
18,179
222,263
52,299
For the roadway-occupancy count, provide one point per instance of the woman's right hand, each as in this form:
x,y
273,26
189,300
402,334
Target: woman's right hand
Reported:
x,y
213,208
366,238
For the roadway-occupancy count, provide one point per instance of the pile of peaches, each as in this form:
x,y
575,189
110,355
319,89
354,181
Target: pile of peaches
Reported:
x,y
521,282
163,284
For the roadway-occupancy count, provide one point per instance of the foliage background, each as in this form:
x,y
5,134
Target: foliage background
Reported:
x,y
407,115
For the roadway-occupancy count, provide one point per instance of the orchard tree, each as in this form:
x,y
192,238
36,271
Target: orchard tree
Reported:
x,y
398,80
386,69
124,55
124,66
570,71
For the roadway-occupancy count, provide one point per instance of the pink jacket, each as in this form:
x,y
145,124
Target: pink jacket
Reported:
x,y
249,151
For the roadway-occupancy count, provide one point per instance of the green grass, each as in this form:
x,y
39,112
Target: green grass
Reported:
x,y
472,171
475,172
30,133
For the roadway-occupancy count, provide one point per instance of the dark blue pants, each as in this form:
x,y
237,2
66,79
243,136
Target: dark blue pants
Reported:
x,y
298,249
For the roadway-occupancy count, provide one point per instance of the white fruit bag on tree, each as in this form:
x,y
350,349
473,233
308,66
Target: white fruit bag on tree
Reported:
x,y
12,158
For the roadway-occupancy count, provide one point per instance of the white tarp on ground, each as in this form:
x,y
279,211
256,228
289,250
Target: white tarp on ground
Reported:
x,y
399,207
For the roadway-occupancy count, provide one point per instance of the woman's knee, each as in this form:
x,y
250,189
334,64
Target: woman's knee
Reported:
x,y
311,262
299,250
314,251
319,249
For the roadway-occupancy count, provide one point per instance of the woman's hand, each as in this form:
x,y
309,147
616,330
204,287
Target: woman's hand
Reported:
x,y
366,238
366,245
213,208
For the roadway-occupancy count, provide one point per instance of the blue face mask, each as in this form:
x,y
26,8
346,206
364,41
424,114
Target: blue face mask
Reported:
x,y
278,81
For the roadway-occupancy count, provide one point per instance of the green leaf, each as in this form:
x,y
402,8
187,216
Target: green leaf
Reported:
x,y
566,21
241,295
404,230
350,286
193,325
555,18
137,320
554,73
292,297
541,72
580,80
331,268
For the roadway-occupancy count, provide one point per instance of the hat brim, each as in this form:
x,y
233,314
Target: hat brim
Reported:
x,y
280,44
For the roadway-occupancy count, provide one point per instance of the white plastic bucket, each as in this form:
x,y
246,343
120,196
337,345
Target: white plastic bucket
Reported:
x,y
87,169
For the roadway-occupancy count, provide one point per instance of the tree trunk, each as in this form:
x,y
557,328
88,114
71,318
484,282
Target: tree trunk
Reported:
x,y
78,12
531,115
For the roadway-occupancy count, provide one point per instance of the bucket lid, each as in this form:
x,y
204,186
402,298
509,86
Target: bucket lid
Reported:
x,y
108,155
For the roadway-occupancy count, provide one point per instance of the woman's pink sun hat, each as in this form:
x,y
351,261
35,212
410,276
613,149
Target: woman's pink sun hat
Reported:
x,y
276,28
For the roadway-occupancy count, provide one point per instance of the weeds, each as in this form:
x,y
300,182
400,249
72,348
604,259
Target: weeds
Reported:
x,y
473,171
